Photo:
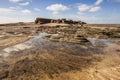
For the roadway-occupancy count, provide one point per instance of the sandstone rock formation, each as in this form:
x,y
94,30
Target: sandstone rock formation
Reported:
x,y
45,20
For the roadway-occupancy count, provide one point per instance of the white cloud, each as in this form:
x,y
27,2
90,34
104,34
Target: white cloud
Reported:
x,y
24,4
21,2
14,14
56,8
95,9
55,12
26,11
9,19
14,11
98,2
83,7
15,8
6,10
14,1
37,9
90,8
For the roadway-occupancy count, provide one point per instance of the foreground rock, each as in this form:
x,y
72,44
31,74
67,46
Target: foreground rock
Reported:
x,y
71,34
78,34
50,60
62,61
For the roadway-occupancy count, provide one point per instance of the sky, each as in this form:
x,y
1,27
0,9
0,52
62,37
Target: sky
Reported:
x,y
90,11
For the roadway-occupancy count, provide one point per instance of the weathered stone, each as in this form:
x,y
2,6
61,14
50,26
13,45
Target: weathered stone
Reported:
x,y
46,36
64,21
4,75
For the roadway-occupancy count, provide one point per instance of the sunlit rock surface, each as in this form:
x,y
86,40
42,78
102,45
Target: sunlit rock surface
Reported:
x,y
39,58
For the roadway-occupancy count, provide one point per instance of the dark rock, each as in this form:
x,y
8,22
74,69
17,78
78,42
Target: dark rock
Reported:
x,y
4,75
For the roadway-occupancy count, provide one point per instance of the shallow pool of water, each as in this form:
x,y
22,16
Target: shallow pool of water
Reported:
x,y
98,45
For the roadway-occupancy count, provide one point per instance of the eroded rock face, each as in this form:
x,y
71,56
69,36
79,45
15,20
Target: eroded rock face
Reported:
x,y
45,20
42,21
3,73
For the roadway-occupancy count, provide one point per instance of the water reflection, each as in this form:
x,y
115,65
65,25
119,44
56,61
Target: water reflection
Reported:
x,y
37,42
106,44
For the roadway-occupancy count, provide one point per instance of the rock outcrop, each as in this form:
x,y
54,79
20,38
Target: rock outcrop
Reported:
x,y
45,20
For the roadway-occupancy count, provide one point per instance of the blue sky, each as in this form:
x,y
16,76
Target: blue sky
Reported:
x,y
90,11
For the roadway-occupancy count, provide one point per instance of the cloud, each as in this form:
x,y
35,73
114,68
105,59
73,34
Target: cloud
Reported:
x,y
21,2
98,2
83,7
86,8
37,9
56,8
6,10
14,11
15,8
14,1
90,8
14,14
24,4
95,9
26,11
9,19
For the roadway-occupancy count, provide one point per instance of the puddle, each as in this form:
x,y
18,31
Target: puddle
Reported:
x,y
34,41
107,44
98,45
